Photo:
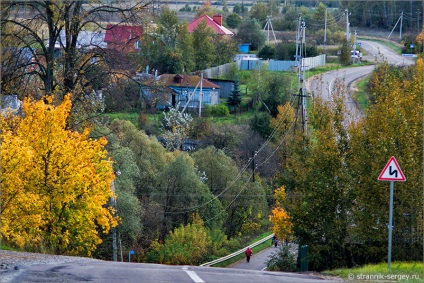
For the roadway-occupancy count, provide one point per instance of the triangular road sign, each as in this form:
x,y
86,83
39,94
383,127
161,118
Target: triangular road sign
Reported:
x,y
392,172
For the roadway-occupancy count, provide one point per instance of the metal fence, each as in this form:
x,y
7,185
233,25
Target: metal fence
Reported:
x,y
280,65
272,65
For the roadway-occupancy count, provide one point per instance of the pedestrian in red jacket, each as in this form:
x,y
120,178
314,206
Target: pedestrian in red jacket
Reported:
x,y
248,253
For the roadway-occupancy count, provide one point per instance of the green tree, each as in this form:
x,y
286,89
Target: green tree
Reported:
x,y
219,169
187,244
128,206
151,159
320,197
345,53
225,49
271,89
273,9
182,192
233,20
185,44
260,123
399,104
203,46
234,99
250,31
168,27
259,12
240,9
267,52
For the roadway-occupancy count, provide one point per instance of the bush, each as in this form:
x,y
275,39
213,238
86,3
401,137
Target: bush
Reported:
x,y
220,110
282,260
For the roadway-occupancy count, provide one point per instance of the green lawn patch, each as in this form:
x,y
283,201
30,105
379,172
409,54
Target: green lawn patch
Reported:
x,y
132,117
410,272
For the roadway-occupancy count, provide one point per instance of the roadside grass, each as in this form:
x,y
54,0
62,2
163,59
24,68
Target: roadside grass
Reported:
x,y
360,96
7,248
410,272
241,256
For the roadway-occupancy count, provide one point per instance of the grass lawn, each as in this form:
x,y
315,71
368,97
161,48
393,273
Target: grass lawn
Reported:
x,y
130,116
399,272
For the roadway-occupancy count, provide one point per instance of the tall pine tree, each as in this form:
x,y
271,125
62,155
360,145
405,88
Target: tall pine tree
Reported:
x,y
234,99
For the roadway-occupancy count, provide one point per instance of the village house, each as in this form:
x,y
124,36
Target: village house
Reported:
x,y
170,90
215,23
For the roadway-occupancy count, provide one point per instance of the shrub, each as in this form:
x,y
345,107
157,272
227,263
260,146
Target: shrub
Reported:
x,y
220,110
282,260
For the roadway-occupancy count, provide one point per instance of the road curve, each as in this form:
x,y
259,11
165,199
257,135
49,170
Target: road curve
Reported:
x,y
325,85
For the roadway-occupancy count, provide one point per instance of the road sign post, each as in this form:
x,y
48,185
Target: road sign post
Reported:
x,y
129,255
392,173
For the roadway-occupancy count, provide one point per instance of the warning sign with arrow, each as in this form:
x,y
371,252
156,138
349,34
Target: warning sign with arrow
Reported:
x,y
392,172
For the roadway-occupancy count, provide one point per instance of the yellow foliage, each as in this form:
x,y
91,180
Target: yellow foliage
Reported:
x,y
280,196
285,118
279,217
282,224
55,182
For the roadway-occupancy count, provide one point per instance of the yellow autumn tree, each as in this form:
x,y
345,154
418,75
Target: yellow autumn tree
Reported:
x,y
55,183
279,217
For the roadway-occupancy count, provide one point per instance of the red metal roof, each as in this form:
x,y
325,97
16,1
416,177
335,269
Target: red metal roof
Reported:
x,y
122,33
219,29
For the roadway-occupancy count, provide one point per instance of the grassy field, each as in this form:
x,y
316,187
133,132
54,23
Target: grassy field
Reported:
x,y
410,272
133,117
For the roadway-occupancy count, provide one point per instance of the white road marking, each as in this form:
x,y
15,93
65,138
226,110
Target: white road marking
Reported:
x,y
193,275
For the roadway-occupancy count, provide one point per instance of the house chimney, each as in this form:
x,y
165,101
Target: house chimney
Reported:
x,y
217,18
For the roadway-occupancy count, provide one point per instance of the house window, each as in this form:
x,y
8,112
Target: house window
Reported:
x,y
137,45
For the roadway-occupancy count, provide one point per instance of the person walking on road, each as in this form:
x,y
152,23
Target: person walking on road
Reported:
x,y
248,253
274,241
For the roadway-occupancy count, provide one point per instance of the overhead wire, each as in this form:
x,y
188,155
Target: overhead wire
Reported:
x,y
241,172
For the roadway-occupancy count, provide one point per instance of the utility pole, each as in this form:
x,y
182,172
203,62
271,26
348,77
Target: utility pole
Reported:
x,y
113,204
300,48
268,25
347,27
200,95
400,33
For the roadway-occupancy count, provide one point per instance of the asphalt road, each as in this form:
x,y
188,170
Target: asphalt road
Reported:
x,y
88,270
257,261
339,81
